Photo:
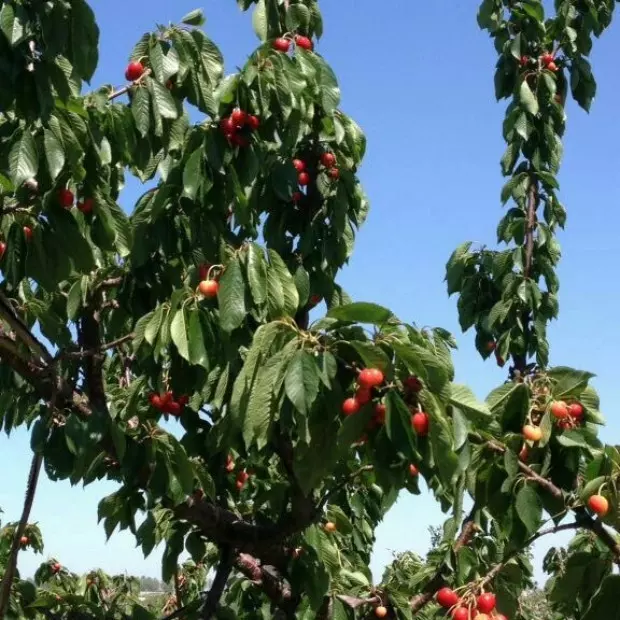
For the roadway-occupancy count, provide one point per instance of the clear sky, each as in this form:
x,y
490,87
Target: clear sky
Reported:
x,y
418,77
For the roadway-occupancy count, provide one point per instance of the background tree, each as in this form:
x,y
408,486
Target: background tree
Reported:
x,y
294,438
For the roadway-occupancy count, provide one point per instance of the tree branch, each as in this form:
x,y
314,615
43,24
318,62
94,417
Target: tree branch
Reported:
x,y
227,561
125,89
9,575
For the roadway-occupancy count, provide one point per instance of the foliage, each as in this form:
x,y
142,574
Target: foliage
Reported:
x,y
292,439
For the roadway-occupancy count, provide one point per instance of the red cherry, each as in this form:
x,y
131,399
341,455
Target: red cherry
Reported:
x,y
350,406
2,249
524,61
370,377
420,422
297,196
209,288
380,411
575,410
315,299
65,198
299,165
486,602
532,433
167,397
239,117
243,476
500,617
460,613
333,173
227,126
413,472
239,485
56,567
183,400
381,611
547,58
238,140
598,505
491,346
552,66
413,384
27,233
363,395
24,540
328,159
559,409
524,454
499,359
253,122
447,598
155,400
303,178
86,207
173,408
134,71
281,44
304,42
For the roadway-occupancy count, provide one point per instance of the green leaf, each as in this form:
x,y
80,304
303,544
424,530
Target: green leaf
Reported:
x,y
23,158
326,82
302,381
163,101
192,176
568,381
528,98
398,425
371,355
84,39
178,332
74,299
194,18
529,508
462,397
196,341
361,312
298,17
257,273
232,297
54,153
289,290
11,23
141,109
152,328
604,604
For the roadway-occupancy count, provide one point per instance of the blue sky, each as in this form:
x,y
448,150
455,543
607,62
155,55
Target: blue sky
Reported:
x,y
419,80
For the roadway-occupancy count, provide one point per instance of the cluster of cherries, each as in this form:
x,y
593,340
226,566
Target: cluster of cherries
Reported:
x,y
66,199
167,403
547,60
566,415
328,161
484,606
371,378
242,477
238,125
282,44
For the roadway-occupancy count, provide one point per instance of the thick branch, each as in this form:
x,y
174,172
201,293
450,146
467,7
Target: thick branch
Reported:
x,y
227,561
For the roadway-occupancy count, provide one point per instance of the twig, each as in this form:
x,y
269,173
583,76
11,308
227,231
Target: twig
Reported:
x,y
227,561
104,347
329,494
125,89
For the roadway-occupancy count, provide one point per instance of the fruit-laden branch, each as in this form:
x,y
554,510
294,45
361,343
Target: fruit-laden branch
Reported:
x,y
125,89
529,472
9,574
227,561
468,531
